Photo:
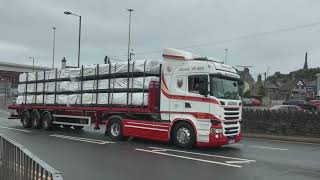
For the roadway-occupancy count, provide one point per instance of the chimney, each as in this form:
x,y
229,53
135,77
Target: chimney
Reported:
x,y
63,63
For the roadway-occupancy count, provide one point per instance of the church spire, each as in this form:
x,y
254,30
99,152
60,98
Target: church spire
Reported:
x,y
305,66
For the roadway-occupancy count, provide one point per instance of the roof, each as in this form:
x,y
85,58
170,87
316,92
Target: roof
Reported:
x,y
6,66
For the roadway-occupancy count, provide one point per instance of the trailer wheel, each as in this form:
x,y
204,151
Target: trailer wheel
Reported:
x,y
36,120
66,126
115,129
183,135
78,127
47,121
25,119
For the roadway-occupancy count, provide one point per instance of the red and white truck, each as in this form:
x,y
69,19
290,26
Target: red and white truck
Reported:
x,y
194,101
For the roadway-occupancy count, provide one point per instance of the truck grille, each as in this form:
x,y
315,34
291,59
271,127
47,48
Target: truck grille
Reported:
x,y
231,130
231,113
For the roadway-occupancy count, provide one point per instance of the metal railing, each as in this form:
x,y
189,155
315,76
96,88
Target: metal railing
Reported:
x,y
18,163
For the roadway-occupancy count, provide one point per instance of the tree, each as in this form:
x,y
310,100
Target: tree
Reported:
x,y
261,91
247,94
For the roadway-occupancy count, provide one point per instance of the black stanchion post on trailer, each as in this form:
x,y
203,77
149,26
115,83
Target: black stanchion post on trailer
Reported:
x,y
81,85
160,79
55,87
114,79
36,94
144,79
109,82
132,81
44,87
26,90
97,85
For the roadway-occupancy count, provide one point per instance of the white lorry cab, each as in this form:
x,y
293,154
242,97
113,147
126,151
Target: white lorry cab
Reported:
x,y
203,93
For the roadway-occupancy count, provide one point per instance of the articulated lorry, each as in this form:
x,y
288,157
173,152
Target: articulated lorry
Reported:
x,y
185,99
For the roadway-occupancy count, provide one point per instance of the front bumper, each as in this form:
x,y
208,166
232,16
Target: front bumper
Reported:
x,y
216,140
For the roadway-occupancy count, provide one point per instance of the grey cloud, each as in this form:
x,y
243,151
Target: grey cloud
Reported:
x,y
26,30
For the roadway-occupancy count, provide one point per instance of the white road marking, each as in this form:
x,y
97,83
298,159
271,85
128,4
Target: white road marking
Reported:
x,y
282,141
202,154
263,147
272,148
96,141
189,158
239,162
3,119
15,129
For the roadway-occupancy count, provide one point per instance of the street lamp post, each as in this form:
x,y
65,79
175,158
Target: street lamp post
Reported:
x,y
32,63
225,57
129,37
79,42
53,45
129,54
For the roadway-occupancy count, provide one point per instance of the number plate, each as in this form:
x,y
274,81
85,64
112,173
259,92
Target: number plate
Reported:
x,y
232,141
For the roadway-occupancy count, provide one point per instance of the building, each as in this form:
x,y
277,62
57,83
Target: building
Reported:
x,y
9,78
247,79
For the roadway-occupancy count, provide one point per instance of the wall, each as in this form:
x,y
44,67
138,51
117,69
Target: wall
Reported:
x,y
281,123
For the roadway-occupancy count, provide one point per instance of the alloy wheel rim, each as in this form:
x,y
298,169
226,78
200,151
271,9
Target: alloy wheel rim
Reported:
x,y
183,135
115,129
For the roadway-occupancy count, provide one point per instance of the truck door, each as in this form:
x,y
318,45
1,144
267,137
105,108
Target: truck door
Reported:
x,y
196,103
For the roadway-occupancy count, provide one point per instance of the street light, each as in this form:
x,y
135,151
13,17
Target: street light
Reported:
x,y
129,37
69,13
32,63
225,57
129,54
53,44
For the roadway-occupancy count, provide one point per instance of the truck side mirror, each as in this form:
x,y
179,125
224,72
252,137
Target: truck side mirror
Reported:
x,y
203,89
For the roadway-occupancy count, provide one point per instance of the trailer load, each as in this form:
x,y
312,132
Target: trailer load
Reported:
x,y
102,84
185,99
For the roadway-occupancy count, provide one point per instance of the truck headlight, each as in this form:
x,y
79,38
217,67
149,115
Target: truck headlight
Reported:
x,y
217,130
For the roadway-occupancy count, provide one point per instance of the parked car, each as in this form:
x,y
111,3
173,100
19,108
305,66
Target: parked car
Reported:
x,y
315,103
246,102
302,104
255,102
287,108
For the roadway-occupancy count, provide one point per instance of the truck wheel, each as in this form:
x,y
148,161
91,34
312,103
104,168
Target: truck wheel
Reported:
x,y
66,126
47,121
183,135
35,119
78,127
115,129
26,120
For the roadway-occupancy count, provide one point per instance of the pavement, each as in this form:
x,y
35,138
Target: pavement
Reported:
x,y
88,154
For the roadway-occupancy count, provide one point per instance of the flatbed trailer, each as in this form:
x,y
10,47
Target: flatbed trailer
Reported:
x,y
182,107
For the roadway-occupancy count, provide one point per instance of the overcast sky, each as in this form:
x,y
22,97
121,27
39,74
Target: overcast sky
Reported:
x,y
207,27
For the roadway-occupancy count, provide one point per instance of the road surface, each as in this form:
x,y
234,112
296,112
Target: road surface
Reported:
x,y
87,154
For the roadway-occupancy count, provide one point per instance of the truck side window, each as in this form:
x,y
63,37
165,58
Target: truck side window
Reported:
x,y
195,81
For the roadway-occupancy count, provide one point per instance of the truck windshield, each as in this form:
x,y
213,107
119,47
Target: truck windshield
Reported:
x,y
223,87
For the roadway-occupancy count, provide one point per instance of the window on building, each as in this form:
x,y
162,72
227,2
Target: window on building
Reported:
x,y
195,81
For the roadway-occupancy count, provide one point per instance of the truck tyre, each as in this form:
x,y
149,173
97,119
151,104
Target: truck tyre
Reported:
x,y
78,127
47,121
183,135
36,120
115,129
25,119
66,126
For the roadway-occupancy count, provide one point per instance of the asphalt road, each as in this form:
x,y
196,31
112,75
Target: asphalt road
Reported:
x,y
87,154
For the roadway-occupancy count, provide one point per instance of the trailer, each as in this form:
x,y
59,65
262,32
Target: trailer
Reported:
x,y
192,101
